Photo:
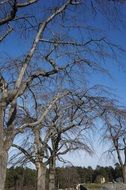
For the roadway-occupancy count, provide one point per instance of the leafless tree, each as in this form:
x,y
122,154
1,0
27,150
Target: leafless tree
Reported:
x,y
47,137
10,92
115,134
63,129
69,125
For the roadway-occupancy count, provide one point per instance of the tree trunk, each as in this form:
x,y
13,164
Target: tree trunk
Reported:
x,y
3,153
52,175
3,166
52,179
124,173
41,177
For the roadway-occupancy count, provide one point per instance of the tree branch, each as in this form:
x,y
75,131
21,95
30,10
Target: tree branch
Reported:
x,y
47,109
6,34
31,52
24,152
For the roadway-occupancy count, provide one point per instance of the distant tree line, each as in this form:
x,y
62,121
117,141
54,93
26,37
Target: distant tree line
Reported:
x,y
20,177
71,176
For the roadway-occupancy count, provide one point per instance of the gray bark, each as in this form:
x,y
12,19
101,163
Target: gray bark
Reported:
x,y
124,173
3,154
52,179
41,177
52,174
4,146
3,166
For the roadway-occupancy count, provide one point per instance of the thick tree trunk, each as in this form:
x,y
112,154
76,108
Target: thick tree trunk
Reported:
x,y
41,177
52,179
3,166
124,173
52,169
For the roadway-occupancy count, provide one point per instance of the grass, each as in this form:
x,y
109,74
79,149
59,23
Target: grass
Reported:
x,y
93,186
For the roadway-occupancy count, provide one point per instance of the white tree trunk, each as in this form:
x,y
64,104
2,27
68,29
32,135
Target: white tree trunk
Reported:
x,y
41,177
3,166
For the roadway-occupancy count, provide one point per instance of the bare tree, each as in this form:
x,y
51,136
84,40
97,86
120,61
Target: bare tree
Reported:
x,y
115,133
42,153
63,128
10,94
84,112
69,125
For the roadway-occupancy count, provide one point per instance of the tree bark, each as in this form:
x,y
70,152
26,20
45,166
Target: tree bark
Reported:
x,y
124,173
52,179
52,169
41,177
3,153
3,166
